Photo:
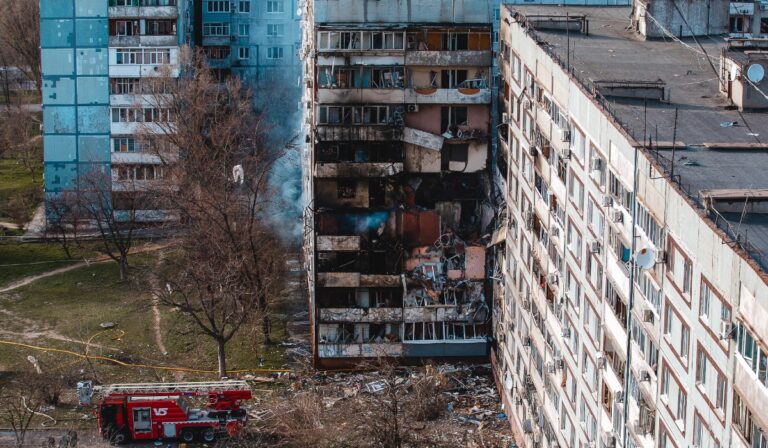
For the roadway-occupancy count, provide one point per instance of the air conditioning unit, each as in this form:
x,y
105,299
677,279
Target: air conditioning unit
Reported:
x,y
607,201
505,118
558,363
412,108
565,136
645,376
233,37
554,232
617,216
551,367
726,330
566,333
661,257
596,164
525,304
595,247
648,316
526,104
566,153
533,151
601,360
553,278
618,397
526,341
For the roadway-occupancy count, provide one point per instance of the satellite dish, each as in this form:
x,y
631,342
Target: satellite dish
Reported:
x,y
734,72
645,258
755,73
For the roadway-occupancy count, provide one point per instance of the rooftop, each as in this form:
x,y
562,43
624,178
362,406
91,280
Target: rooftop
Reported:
x,y
613,54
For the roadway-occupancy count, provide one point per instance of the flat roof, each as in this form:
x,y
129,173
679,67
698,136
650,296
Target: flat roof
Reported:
x,y
612,51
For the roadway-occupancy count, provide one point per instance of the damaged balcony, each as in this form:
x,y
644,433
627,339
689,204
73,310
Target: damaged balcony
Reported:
x,y
363,262
348,169
430,95
474,58
365,133
454,47
359,340
436,339
360,84
358,159
454,86
329,315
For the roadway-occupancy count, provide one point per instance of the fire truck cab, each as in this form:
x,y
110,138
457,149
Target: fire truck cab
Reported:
x,y
156,411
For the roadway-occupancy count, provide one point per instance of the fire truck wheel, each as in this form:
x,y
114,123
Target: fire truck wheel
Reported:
x,y
209,435
187,435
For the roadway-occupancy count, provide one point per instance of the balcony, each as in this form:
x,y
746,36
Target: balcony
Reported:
x,y
448,96
369,350
371,133
338,243
435,313
753,393
134,158
357,169
361,95
216,41
468,58
357,280
335,315
163,12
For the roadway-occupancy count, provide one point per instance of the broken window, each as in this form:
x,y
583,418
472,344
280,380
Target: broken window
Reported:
x,y
456,41
451,79
453,116
454,153
345,188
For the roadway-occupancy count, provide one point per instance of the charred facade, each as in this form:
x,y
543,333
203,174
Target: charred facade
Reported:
x,y
399,154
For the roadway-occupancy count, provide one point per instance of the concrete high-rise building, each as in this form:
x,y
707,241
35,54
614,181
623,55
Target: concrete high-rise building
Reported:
x,y
400,104
632,293
96,55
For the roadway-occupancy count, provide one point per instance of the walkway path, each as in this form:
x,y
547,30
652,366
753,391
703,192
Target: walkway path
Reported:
x,y
100,259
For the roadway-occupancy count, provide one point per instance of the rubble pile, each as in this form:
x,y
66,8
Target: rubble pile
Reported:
x,y
462,400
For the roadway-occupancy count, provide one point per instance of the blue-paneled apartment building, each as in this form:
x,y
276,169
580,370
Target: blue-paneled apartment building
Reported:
x,y
96,52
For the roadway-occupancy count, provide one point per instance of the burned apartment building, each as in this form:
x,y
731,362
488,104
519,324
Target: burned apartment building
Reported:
x,y
399,109
631,307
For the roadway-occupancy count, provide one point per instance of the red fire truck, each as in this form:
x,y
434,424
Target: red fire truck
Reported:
x,y
161,410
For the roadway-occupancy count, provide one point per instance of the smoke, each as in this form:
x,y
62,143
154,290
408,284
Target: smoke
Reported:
x,y
278,102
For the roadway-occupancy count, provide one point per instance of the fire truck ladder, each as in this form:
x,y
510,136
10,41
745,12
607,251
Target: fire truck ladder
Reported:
x,y
197,388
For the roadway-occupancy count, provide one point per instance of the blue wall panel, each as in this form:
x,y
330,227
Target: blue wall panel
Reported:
x,y
57,33
59,90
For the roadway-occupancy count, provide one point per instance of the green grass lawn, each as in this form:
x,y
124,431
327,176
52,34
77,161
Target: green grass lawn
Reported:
x,y
15,181
74,303
18,260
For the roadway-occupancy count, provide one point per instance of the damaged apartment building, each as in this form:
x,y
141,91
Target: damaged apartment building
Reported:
x,y
399,105
630,309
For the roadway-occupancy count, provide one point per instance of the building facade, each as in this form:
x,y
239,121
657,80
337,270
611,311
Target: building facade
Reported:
x,y
400,106
621,166
98,56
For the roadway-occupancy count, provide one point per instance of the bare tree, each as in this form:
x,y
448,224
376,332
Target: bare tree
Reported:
x,y
18,404
216,171
63,222
115,217
19,138
20,22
